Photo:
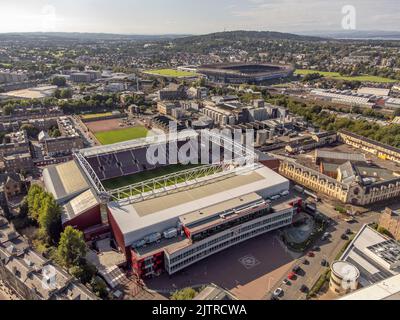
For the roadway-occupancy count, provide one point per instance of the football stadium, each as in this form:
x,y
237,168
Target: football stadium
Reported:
x,y
250,73
179,216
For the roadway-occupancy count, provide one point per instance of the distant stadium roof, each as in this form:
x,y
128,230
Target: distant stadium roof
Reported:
x,y
155,215
135,144
78,205
65,181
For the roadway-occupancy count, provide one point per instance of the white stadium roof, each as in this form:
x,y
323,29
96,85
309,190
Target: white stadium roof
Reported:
x,y
138,220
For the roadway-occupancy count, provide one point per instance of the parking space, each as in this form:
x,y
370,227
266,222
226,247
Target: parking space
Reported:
x,y
248,270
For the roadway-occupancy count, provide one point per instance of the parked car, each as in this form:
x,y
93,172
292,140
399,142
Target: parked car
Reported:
x,y
348,231
306,262
311,254
292,276
344,236
304,289
287,282
278,292
316,249
296,269
324,263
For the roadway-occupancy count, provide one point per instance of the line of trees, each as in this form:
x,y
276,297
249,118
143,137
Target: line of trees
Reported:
x,y
67,248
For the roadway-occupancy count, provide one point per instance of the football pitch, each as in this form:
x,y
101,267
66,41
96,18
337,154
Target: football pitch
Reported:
x,y
121,135
120,182
171,73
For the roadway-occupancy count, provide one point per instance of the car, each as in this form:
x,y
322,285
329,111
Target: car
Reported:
x,y
344,237
311,254
306,262
274,298
316,249
348,231
292,276
324,263
287,282
296,269
304,289
278,292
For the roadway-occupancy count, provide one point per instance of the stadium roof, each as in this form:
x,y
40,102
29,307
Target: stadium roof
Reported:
x,y
80,204
65,181
135,144
138,220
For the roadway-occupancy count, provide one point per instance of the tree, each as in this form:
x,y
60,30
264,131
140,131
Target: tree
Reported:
x,y
85,272
59,81
185,294
72,247
50,218
30,130
34,196
99,287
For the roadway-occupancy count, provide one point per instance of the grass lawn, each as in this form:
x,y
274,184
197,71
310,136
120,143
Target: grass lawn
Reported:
x,y
96,115
171,73
336,75
120,135
146,175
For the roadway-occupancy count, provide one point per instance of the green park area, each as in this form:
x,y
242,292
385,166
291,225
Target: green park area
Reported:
x,y
120,135
338,76
172,73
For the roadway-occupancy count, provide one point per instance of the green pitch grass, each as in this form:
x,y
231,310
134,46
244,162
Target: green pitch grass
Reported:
x,y
146,175
337,76
171,73
120,135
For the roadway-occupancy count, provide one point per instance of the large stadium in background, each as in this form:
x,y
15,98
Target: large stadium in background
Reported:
x,y
250,73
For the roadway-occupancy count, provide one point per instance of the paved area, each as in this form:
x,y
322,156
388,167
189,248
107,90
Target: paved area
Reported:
x,y
248,270
328,251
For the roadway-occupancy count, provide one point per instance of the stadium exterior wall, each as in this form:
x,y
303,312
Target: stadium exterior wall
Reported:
x,y
88,219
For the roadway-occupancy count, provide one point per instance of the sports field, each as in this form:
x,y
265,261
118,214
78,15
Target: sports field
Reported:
x,y
172,73
120,135
337,76
146,175
96,115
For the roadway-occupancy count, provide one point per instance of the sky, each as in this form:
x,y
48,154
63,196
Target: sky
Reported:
x,y
195,16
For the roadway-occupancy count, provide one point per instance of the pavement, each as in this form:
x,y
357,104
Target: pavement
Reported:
x,y
328,251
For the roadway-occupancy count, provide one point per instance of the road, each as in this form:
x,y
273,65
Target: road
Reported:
x,y
328,251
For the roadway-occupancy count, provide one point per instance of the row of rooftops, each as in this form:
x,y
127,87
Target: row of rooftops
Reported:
x,y
370,141
39,275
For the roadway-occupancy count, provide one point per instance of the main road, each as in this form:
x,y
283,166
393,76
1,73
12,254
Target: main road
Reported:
x,y
328,251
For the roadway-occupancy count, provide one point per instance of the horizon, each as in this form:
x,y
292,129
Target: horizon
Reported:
x,y
177,17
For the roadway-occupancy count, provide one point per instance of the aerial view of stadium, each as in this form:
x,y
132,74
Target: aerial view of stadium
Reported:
x,y
252,73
